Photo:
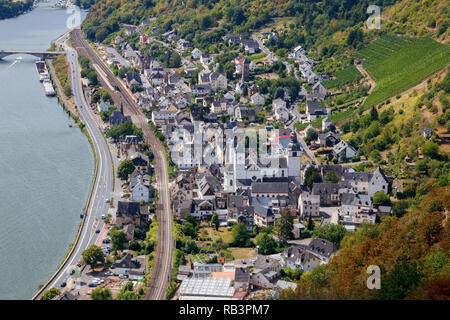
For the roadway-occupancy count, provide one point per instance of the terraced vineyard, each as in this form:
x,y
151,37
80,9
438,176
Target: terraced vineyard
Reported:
x,y
397,64
347,75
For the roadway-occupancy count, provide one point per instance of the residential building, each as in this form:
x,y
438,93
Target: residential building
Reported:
x,y
344,151
309,204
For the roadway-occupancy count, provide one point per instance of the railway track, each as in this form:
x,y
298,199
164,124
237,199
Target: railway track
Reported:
x,y
163,261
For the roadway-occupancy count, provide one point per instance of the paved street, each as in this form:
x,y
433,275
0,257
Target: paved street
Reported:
x,y
163,260
103,183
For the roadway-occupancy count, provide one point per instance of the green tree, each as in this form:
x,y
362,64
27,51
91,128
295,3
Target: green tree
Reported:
x,y
135,245
332,177
100,293
436,261
266,243
92,256
399,208
284,226
311,134
310,226
189,230
373,114
127,293
118,238
126,167
191,247
291,274
381,198
430,149
331,232
215,221
240,235
50,294
402,279
312,175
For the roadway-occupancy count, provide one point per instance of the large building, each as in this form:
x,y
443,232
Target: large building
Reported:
x,y
243,168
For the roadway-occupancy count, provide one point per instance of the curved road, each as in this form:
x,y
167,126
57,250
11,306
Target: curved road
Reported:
x,y
103,183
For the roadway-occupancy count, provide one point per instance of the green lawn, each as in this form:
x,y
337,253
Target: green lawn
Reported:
x,y
257,56
397,64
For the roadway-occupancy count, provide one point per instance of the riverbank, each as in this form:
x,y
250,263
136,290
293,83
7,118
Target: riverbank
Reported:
x,y
57,78
43,154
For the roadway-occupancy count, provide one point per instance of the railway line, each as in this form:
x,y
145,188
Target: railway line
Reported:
x,y
163,261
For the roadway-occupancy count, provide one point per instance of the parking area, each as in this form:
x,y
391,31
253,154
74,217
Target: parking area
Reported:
x,y
87,282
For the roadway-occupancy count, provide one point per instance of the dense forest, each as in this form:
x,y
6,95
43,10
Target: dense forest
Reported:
x,y
10,9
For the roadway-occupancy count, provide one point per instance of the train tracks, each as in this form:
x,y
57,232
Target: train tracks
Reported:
x,y
163,261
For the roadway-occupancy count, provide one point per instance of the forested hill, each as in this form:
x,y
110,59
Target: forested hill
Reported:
x,y
419,18
10,9
412,253
319,18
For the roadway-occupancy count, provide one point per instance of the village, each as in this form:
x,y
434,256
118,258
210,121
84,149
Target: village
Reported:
x,y
205,120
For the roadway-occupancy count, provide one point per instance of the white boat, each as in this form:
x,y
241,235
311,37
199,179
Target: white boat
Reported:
x,y
44,76
48,88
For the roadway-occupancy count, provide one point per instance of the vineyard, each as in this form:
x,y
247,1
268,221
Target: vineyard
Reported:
x,y
347,75
397,64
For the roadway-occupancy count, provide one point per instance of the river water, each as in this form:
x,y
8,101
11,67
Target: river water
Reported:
x,y
46,167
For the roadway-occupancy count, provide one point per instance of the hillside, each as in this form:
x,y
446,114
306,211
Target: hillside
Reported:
x,y
413,253
311,20
419,18
397,64
10,9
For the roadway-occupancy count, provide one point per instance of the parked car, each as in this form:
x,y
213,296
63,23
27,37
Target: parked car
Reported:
x,y
107,201
108,273
78,265
123,276
63,284
92,285
97,231
103,216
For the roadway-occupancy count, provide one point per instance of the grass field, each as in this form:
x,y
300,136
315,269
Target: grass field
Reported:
x,y
223,233
347,75
397,64
257,56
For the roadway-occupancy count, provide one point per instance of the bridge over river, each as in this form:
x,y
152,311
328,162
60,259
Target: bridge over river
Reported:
x,y
39,54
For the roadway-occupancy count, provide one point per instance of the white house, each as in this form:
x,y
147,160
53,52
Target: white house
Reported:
x,y
196,54
257,99
378,182
326,123
161,115
103,106
309,204
141,192
278,103
343,151
281,114
157,79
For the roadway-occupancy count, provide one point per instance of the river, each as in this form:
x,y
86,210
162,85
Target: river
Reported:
x,y
46,167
